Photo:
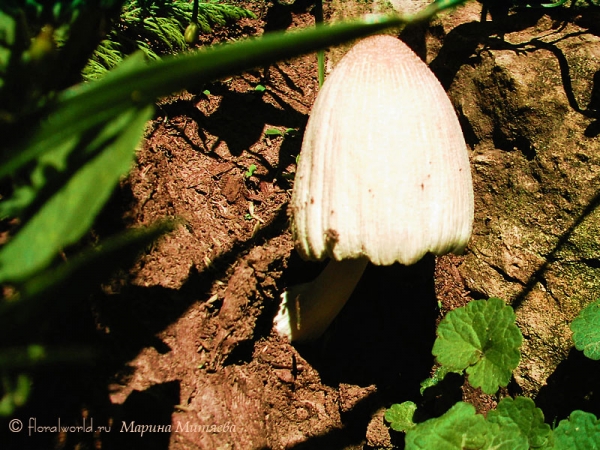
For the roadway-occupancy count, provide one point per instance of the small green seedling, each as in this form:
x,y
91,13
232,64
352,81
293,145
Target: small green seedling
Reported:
x,y
273,132
586,331
251,169
250,215
206,92
260,88
276,132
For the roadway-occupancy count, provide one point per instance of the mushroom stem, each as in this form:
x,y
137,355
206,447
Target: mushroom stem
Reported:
x,y
308,309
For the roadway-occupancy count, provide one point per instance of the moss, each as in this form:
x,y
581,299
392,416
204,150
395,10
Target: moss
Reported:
x,y
584,243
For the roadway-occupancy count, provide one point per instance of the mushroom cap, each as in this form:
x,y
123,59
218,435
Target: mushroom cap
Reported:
x,y
384,170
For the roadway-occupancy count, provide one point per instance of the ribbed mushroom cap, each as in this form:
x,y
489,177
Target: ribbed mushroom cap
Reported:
x,y
384,170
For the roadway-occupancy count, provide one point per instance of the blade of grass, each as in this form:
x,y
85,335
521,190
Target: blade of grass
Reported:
x,y
321,53
69,213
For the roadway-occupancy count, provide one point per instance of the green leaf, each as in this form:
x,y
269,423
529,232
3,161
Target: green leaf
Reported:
x,y
586,331
530,420
400,416
580,432
69,213
507,437
482,339
458,428
439,374
251,169
273,132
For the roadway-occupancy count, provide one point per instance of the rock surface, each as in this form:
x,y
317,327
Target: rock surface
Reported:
x,y
527,99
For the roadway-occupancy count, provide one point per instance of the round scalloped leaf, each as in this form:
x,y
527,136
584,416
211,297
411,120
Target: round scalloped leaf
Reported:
x,y
482,339
460,428
522,412
586,331
507,437
580,432
400,416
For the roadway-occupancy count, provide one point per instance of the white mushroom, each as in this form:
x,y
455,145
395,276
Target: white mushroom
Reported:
x,y
383,176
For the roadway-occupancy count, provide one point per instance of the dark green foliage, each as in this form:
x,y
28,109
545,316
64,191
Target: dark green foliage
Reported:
x,y
515,425
57,12
71,200
461,428
32,66
467,336
158,27
523,413
16,391
580,432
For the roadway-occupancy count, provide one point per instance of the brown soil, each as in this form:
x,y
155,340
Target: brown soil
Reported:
x,y
187,331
